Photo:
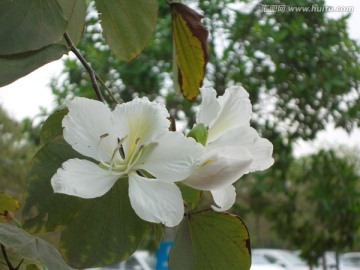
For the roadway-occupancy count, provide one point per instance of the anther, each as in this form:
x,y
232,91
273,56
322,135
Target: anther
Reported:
x,y
121,150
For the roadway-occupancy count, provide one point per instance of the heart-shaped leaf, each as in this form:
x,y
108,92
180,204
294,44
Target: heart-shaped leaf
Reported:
x,y
16,66
30,25
190,50
212,241
75,12
29,247
52,127
127,24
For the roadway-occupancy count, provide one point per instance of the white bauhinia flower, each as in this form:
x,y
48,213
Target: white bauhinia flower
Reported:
x,y
133,140
233,148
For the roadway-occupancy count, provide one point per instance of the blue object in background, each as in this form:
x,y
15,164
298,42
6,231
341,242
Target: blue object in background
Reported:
x,y
162,255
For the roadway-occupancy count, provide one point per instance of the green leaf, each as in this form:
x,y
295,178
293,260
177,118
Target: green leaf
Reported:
x,y
30,25
127,25
32,248
32,267
106,229
7,203
75,11
199,133
211,240
190,50
182,254
16,66
41,199
52,127
94,232
190,195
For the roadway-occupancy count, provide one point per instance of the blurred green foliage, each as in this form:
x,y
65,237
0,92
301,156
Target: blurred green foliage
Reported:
x,y
16,151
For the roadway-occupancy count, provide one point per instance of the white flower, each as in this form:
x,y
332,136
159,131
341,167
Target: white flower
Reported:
x,y
233,148
132,140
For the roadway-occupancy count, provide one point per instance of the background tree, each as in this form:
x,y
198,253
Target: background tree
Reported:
x,y
319,211
326,203
16,152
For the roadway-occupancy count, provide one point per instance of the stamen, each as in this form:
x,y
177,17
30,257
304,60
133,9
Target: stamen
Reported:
x,y
118,147
137,155
121,150
104,135
98,152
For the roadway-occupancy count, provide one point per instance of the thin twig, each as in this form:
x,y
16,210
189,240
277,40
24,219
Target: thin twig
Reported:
x,y
107,90
86,66
196,212
3,249
20,263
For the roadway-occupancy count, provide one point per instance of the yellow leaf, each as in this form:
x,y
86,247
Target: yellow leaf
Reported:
x,y
190,50
7,204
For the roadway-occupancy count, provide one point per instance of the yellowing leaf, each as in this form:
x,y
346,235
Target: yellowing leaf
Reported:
x,y
190,50
7,204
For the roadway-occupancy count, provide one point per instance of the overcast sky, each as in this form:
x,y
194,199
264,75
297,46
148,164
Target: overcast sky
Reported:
x,y
24,97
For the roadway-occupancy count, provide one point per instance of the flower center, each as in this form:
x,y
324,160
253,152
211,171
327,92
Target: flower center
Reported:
x,y
122,162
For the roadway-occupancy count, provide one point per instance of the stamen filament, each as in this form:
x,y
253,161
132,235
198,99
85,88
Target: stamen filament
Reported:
x,y
137,155
102,162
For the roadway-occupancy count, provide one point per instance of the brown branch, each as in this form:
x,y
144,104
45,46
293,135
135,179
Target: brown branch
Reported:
x,y
86,66
3,249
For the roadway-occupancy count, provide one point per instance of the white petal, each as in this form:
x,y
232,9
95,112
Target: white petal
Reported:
x,y
220,167
235,111
209,106
82,178
173,158
144,122
156,201
246,136
262,151
224,198
88,128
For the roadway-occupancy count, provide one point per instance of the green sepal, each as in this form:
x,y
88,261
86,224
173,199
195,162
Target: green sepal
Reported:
x,y
199,133
190,195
